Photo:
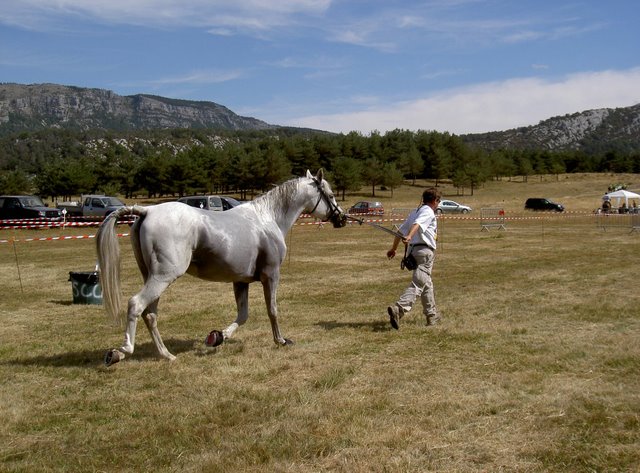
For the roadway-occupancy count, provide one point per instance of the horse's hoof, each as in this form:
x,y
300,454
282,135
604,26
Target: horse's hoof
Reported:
x,y
112,357
288,342
214,338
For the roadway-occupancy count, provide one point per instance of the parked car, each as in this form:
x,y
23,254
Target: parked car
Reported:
x,y
451,207
91,206
25,206
367,208
537,203
210,202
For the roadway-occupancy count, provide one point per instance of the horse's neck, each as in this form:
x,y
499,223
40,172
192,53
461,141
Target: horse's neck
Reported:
x,y
285,220
285,208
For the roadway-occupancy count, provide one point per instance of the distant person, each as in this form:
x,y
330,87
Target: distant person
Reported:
x,y
420,231
606,206
623,208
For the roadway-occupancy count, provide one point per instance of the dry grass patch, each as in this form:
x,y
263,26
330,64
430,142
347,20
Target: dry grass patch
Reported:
x,y
536,367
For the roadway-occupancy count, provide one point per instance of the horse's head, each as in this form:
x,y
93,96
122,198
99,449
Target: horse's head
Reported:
x,y
326,207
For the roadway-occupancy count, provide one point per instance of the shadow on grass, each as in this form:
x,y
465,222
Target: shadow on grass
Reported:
x,y
375,326
59,302
143,351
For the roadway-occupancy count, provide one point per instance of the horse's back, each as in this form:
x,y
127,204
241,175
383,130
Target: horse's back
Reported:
x,y
169,220
234,245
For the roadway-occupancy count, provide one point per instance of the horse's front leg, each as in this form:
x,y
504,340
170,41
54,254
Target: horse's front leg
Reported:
x,y
270,287
241,291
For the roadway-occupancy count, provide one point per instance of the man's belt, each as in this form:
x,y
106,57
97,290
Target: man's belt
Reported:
x,y
414,245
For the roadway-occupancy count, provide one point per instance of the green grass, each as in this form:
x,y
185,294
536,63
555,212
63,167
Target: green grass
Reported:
x,y
535,368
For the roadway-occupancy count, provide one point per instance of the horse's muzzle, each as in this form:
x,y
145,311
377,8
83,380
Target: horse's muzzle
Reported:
x,y
339,220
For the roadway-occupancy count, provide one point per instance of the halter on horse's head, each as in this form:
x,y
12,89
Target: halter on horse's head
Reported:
x,y
334,212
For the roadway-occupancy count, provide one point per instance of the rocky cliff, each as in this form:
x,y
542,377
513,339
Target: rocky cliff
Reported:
x,y
39,106
590,131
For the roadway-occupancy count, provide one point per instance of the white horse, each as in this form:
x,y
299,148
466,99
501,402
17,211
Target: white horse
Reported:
x,y
241,245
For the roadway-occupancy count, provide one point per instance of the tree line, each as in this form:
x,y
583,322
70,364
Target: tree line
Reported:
x,y
61,163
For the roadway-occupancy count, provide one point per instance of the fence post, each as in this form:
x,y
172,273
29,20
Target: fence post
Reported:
x,y
635,222
15,252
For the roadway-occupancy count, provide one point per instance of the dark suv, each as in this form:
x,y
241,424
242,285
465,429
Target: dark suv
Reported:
x,y
25,206
536,203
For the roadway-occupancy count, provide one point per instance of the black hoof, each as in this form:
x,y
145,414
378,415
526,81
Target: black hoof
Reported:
x,y
112,357
288,342
214,338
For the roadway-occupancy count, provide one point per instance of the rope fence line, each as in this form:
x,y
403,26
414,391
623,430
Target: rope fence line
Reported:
x,y
33,224
12,224
56,238
611,220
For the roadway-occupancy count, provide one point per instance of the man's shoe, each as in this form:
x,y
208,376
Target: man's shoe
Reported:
x,y
394,316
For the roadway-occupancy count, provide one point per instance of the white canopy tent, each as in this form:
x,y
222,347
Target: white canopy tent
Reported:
x,y
622,194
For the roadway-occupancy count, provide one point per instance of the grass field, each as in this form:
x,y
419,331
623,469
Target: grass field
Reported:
x,y
536,367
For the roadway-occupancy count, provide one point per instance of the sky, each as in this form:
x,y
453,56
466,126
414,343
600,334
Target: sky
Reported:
x,y
457,66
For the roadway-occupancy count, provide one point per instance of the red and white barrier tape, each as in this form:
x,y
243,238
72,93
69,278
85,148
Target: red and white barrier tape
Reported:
x,y
58,238
49,225
317,222
34,223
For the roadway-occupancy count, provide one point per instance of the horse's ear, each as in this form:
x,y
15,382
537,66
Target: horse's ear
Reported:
x,y
320,175
309,174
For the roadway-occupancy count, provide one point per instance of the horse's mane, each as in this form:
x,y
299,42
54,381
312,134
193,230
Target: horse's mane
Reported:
x,y
278,200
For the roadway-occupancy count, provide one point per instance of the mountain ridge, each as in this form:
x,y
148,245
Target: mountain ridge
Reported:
x,y
591,131
34,107
39,106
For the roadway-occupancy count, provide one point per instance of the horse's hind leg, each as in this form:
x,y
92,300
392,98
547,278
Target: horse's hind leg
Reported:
x,y
241,291
143,302
150,317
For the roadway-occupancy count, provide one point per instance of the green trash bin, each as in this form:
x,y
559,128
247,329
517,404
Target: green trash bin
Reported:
x,y
85,286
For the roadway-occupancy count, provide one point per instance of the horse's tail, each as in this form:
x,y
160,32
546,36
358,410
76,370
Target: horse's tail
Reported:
x,y
109,260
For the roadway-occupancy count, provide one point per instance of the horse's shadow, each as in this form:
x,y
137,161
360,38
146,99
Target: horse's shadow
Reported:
x,y
375,326
87,358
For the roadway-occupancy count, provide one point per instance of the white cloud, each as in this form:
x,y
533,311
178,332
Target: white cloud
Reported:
x,y
218,15
539,66
200,77
554,33
489,107
436,74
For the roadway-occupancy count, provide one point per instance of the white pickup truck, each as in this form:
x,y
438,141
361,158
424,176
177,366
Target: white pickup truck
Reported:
x,y
91,206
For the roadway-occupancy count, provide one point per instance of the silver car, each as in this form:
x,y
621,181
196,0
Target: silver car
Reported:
x,y
210,202
452,207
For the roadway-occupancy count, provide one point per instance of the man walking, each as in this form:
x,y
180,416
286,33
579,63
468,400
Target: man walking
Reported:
x,y
420,231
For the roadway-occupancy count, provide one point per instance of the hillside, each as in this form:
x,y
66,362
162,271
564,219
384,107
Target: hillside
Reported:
x,y
29,108
591,131
40,106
